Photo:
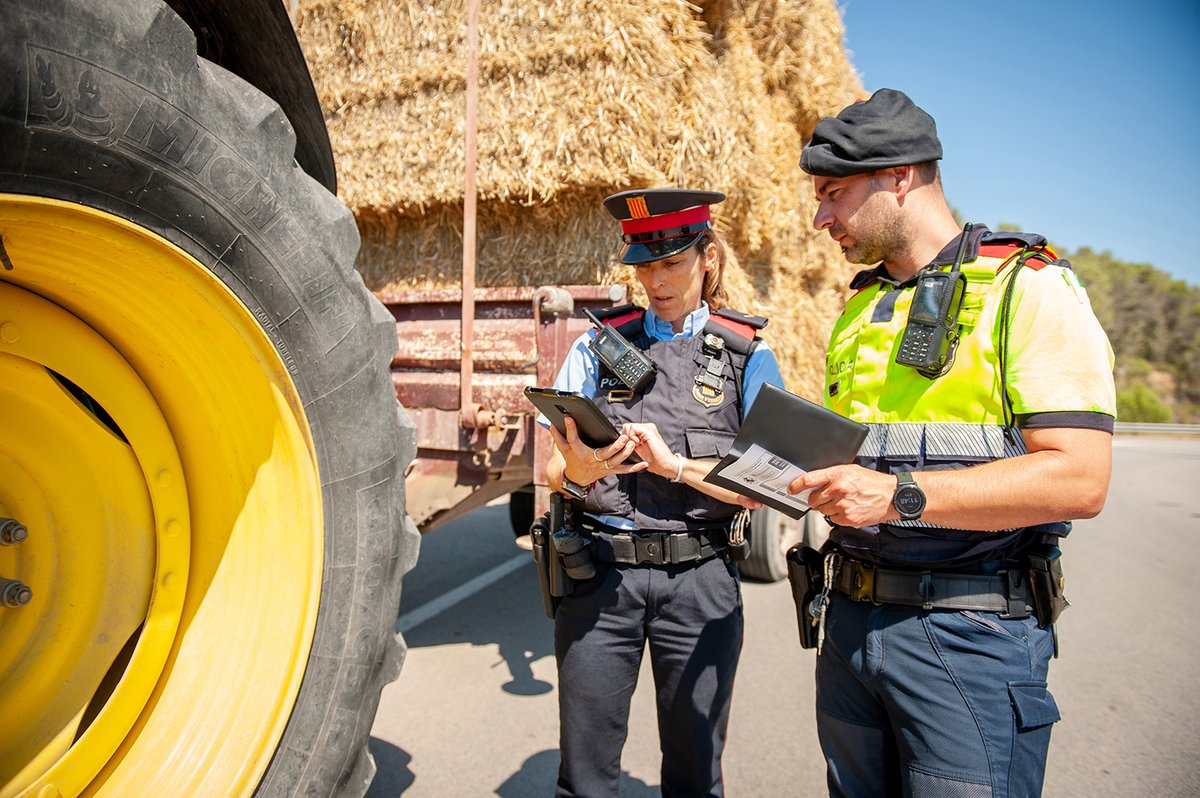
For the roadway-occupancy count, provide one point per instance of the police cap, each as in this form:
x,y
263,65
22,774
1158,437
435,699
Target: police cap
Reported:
x,y
888,129
657,223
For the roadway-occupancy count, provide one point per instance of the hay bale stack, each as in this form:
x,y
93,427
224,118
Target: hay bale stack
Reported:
x,y
578,99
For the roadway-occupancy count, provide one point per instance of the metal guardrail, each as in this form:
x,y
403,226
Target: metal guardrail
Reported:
x,y
1128,428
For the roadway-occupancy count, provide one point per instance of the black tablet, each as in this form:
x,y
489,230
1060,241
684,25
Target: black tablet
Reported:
x,y
594,428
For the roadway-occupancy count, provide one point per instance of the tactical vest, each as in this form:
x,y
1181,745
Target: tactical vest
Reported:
x,y
917,424
695,429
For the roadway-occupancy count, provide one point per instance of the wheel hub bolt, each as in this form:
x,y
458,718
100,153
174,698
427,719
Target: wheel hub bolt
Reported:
x,y
12,531
14,593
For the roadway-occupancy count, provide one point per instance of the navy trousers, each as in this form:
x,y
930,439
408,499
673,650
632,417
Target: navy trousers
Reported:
x,y
691,617
933,704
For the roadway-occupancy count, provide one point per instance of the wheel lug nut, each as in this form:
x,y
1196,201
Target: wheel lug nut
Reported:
x,y
14,593
12,531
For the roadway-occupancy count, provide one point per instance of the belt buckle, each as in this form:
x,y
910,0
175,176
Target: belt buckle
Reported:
x,y
650,549
862,582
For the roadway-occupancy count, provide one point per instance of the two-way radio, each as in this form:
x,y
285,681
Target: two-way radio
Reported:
x,y
931,335
632,366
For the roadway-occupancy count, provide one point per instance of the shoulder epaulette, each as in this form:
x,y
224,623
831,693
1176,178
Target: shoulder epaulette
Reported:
x,y
1005,244
627,319
1030,240
617,310
757,322
737,330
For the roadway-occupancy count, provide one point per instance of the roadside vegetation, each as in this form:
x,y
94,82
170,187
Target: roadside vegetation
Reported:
x,y
1153,321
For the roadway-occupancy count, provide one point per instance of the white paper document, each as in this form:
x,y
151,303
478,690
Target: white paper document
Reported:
x,y
761,471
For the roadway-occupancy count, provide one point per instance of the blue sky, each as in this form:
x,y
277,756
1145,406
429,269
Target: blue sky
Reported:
x,y
1077,120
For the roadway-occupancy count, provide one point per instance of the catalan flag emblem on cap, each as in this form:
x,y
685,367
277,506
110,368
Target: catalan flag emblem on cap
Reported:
x,y
657,223
637,207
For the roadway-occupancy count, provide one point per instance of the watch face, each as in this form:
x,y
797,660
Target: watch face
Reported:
x,y
910,501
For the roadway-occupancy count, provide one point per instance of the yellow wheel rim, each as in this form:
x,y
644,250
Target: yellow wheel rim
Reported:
x,y
157,451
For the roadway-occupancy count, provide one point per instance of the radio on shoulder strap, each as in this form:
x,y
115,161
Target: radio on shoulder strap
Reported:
x,y
931,336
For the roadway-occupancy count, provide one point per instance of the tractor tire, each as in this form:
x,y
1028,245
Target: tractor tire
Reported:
x,y
201,452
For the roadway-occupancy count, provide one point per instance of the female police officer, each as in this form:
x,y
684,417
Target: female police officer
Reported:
x,y
658,533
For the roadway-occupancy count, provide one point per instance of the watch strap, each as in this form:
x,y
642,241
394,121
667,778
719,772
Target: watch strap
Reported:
x,y
574,489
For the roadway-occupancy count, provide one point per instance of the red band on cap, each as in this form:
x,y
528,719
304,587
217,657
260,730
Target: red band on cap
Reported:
x,y
666,221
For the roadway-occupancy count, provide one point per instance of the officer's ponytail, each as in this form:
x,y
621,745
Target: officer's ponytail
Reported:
x,y
714,288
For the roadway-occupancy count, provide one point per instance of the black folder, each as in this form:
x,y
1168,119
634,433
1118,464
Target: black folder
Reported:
x,y
792,429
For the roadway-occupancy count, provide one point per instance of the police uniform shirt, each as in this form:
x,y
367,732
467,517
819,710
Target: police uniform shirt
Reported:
x,y
1059,365
1058,375
581,368
1061,359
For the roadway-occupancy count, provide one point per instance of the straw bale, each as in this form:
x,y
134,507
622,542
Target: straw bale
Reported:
x,y
578,99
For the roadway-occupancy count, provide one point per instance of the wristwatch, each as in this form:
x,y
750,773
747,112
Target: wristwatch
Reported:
x,y
909,500
574,489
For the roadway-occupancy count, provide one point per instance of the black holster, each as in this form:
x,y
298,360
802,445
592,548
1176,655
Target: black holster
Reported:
x,y
543,551
553,580
1046,583
806,575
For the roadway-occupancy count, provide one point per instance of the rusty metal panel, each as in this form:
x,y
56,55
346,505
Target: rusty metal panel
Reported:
x,y
437,431
439,390
429,301
499,345
428,327
516,343
457,470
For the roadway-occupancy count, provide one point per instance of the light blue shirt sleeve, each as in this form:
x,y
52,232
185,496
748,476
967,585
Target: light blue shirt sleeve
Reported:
x,y
580,368
761,367
578,373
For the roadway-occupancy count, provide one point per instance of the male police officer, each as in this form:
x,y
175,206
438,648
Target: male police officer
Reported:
x,y
986,381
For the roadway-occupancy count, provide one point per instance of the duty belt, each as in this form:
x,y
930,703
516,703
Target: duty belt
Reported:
x,y
655,548
1005,592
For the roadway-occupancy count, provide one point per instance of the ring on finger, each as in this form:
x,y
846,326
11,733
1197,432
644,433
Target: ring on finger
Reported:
x,y
606,465
596,454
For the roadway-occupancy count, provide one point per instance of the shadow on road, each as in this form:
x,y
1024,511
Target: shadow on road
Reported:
x,y
392,775
537,776
539,773
506,613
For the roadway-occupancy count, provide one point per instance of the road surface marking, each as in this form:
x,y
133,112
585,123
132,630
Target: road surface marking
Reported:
x,y
418,616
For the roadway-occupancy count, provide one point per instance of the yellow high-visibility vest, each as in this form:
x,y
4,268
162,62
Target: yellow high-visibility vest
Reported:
x,y
863,381
1058,361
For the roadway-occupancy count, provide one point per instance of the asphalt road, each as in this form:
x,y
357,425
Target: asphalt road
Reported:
x,y
474,712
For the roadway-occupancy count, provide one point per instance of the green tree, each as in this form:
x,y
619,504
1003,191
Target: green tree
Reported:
x,y
1139,404
1153,322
